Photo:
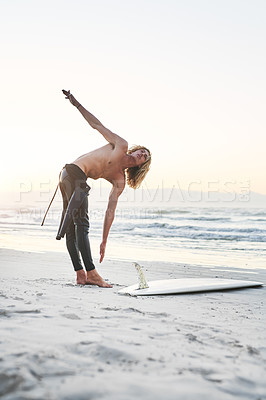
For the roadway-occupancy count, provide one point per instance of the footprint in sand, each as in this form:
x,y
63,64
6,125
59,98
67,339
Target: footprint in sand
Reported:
x,y
70,316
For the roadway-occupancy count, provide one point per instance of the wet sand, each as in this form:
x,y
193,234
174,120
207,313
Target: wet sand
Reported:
x,y
63,341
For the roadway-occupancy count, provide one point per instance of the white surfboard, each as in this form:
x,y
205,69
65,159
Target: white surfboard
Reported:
x,y
187,285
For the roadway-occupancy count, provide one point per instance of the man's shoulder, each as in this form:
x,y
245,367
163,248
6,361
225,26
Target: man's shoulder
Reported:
x,y
121,145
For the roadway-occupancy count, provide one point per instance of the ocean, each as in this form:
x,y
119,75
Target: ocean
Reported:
x,y
209,236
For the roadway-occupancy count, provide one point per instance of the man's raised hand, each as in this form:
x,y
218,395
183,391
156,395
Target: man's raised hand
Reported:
x,y
71,98
66,93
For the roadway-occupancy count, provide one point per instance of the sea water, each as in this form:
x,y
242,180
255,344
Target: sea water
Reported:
x,y
203,235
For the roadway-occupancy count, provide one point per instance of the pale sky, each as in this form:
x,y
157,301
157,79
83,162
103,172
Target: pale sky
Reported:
x,y
183,78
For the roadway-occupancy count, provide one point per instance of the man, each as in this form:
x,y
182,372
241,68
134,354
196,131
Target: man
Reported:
x,y
112,162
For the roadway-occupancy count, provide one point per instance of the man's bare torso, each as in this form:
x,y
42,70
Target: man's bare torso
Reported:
x,y
104,162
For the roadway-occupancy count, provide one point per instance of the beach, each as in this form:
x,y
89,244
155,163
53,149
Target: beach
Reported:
x,y
166,97
64,341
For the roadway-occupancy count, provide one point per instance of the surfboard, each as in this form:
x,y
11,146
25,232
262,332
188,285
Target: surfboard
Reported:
x,y
187,285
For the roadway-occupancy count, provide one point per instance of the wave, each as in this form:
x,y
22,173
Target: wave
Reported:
x,y
170,211
173,223
200,236
256,219
170,231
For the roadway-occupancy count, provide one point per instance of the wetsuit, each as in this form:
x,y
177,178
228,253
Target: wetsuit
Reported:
x,y
75,220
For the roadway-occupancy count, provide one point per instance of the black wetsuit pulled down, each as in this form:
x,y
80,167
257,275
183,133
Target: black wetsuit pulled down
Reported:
x,y
75,220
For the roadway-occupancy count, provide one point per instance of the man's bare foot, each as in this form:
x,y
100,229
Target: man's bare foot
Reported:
x,y
81,277
93,278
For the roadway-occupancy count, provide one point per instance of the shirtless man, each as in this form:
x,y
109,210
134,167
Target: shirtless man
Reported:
x,y
113,162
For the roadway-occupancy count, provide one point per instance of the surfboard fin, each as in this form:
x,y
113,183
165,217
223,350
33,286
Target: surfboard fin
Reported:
x,y
142,281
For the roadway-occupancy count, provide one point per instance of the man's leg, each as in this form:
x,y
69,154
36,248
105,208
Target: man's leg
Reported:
x,y
74,254
81,221
66,189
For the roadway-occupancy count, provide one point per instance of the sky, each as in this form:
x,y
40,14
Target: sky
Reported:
x,y
184,78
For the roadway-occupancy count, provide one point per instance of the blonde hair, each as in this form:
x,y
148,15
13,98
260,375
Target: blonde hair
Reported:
x,y
135,175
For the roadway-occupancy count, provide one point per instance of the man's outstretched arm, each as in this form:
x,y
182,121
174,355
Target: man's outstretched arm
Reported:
x,y
111,137
110,215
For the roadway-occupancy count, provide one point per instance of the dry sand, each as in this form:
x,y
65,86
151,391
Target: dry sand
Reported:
x,y
62,341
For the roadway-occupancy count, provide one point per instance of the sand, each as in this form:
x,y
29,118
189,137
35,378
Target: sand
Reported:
x,y
63,341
